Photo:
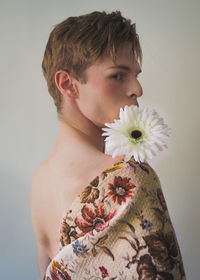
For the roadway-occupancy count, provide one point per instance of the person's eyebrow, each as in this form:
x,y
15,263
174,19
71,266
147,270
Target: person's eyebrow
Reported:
x,y
124,67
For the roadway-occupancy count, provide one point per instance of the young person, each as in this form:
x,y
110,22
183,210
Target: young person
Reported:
x,y
91,65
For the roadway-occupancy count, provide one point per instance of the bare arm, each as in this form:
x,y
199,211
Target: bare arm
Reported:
x,y
37,203
42,259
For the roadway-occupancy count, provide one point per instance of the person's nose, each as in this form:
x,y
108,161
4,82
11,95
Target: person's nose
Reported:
x,y
136,88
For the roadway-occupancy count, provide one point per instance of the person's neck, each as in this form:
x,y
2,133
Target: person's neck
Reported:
x,y
87,134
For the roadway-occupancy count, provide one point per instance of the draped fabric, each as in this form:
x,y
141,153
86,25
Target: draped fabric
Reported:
x,y
118,228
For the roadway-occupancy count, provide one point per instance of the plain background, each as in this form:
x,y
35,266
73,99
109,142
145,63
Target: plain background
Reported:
x,y
169,35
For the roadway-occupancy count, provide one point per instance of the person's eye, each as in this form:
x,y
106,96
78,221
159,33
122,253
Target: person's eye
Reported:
x,y
117,76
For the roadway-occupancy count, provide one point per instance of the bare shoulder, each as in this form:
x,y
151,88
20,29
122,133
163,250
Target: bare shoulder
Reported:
x,y
107,161
97,162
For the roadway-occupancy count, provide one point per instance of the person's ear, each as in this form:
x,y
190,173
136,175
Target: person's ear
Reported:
x,y
65,83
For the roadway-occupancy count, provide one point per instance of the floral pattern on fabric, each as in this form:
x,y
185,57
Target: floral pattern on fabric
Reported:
x,y
119,228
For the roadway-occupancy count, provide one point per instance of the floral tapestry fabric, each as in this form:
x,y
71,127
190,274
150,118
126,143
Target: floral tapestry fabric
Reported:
x,y
118,228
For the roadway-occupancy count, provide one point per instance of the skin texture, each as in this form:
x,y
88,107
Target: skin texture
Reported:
x,y
78,154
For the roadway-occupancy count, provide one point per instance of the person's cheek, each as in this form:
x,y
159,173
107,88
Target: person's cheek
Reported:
x,y
113,100
110,89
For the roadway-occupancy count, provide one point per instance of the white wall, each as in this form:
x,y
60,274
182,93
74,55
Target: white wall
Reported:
x,y
169,34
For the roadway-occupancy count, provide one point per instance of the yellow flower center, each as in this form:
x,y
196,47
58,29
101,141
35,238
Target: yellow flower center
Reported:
x,y
136,135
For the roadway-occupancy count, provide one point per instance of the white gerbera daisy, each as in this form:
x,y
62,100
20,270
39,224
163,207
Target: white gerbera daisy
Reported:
x,y
140,133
